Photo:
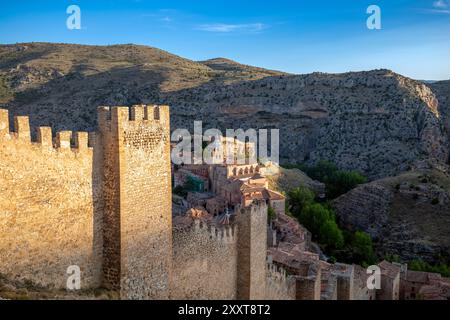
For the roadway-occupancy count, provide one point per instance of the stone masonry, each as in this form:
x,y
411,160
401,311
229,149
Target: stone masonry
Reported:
x,y
138,200
107,208
103,202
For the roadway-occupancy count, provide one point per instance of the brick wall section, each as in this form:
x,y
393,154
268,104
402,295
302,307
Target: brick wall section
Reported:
x,y
205,262
47,200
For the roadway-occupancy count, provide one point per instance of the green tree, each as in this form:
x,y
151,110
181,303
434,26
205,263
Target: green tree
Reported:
x,y
299,198
337,182
362,248
322,171
331,235
313,216
341,182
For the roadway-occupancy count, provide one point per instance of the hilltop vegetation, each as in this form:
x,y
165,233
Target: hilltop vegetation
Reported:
x,y
407,215
337,182
320,220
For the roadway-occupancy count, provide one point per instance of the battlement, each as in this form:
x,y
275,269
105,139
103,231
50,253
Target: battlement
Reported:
x,y
221,234
276,273
218,233
279,285
46,202
258,208
123,116
65,141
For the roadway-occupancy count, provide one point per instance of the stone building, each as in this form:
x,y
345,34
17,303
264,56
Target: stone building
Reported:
x,y
423,285
390,281
230,185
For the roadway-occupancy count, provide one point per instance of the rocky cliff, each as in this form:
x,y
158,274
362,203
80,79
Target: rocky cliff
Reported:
x,y
442,92
377,122
407,215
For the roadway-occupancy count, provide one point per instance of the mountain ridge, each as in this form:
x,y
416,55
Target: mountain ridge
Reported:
x,y
377,122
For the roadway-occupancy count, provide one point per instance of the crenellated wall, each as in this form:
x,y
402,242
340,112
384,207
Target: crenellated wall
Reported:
x,y
102,201
105,208
252,251
138,200
47,201
204,262
279,285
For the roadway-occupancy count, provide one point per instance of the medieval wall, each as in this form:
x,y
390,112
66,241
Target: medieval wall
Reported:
x,y
138,201
204,262
48,199
252,251
279,286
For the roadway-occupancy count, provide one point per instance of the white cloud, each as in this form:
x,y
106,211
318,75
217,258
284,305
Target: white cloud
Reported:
x,y
437,11
439,7
441,4
227,28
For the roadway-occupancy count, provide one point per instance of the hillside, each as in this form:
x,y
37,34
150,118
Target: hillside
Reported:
x,y
377,122
442,91
287,179
407,215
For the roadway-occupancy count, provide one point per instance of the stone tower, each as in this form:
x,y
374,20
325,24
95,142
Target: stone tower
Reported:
x,y
252,251
137,200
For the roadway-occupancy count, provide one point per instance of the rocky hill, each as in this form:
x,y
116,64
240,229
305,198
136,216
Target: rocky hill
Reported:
x,y
377,122
407,215
287,179
442,91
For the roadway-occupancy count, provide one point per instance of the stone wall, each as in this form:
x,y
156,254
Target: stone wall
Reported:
x,y
107,209
252,251
138,201
279,285
204,262
48,199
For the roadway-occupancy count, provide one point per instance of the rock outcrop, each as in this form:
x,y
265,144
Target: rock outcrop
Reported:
x,y
407,215
442,92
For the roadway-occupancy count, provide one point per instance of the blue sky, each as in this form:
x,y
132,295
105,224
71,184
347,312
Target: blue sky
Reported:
x,y
298,36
